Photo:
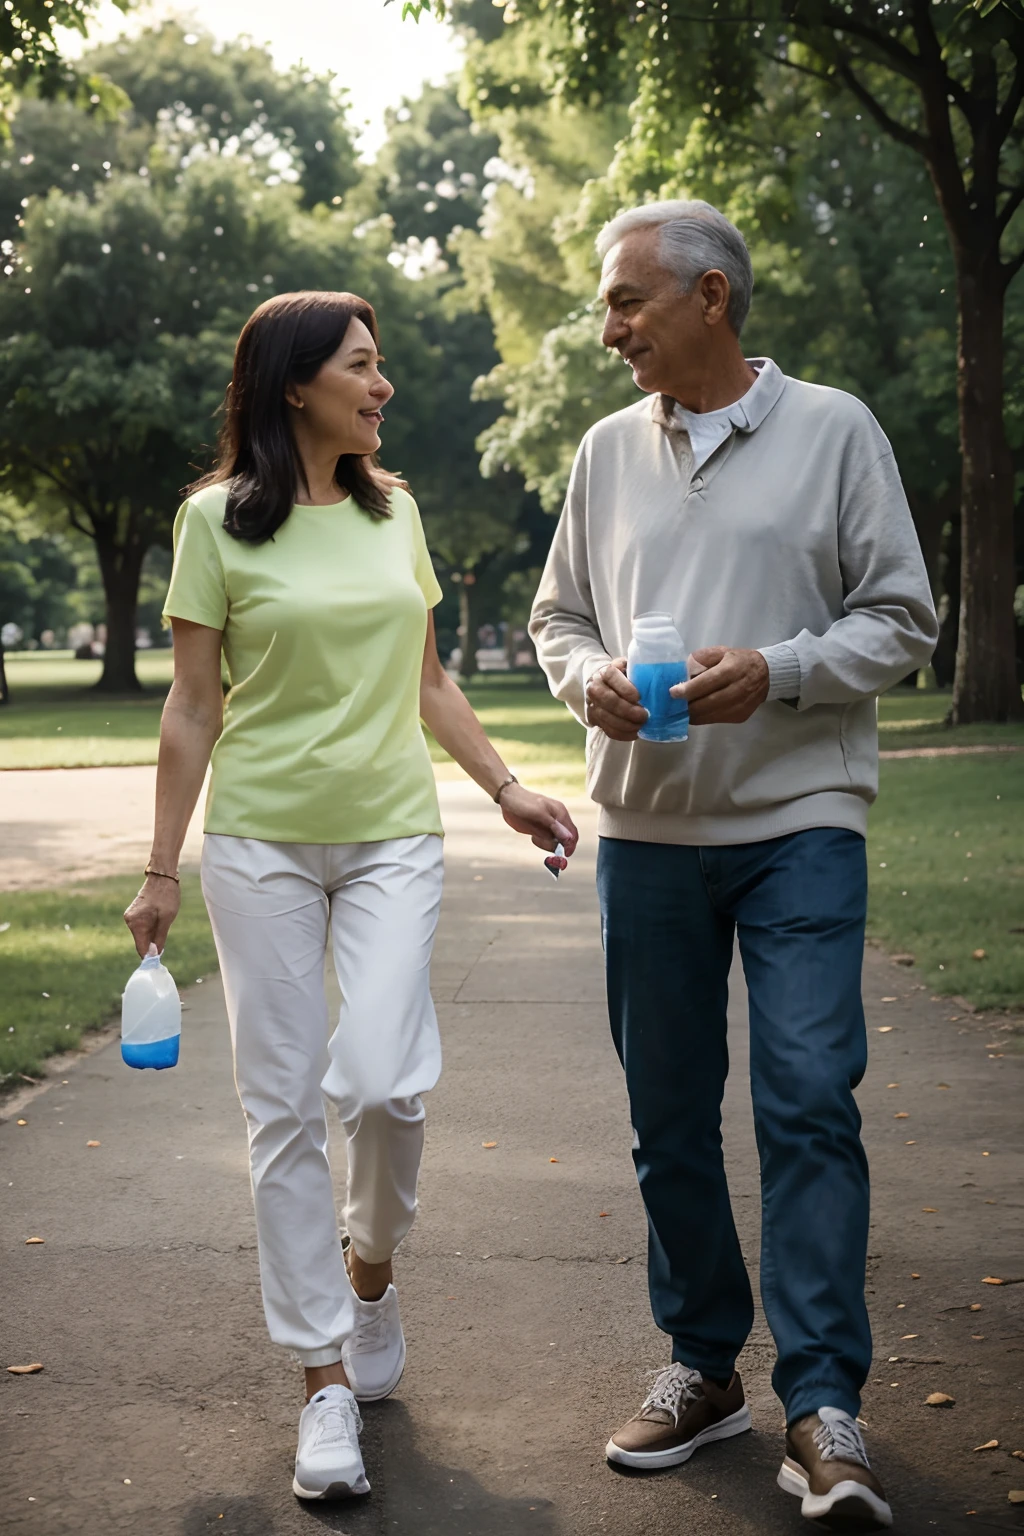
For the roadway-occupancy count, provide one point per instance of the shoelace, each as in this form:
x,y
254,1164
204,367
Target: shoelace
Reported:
x,y
370,1330
838,1438
338,1422
673,1385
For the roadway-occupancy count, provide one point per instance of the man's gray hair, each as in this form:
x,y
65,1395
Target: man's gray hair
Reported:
x,y
695,238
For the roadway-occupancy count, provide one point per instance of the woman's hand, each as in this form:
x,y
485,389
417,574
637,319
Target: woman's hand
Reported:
x,y
546,821
152,912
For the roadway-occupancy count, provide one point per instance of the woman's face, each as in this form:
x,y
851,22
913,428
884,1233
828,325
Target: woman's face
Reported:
x,y
342,405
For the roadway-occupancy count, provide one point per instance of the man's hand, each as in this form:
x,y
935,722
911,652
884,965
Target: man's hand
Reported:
x,y
612,702
725,686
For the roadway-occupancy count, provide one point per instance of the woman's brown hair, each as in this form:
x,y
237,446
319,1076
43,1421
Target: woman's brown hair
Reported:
x,y
286,341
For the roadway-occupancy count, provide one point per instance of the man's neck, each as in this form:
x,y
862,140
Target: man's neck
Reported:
x,y
720,386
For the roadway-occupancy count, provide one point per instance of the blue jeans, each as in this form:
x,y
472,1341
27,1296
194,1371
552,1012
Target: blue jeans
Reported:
x,y
669,917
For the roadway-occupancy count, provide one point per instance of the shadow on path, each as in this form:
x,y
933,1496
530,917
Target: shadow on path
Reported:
x,y
411,1494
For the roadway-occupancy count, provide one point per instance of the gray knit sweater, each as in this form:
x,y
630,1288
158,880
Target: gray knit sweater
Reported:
x,y
794,538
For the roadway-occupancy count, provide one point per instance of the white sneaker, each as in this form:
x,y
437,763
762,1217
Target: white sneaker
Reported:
x,y
328,1462
374,1354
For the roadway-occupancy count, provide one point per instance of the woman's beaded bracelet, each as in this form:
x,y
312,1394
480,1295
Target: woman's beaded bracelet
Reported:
x,y
162,874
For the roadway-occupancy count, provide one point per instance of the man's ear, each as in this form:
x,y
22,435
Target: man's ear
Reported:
x,y
714,297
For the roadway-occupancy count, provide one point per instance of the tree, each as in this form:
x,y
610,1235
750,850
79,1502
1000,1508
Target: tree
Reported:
x,y
116,351
184,97
36,571
208,97
29,55
137,250
941,78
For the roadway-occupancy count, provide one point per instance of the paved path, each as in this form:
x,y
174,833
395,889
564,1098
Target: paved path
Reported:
x,y
78,823
528,1335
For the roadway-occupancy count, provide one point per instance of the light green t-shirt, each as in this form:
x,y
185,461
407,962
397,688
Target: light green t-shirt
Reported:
x,y
324,627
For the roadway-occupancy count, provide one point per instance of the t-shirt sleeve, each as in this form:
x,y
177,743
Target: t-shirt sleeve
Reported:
x,y
425,577
198,591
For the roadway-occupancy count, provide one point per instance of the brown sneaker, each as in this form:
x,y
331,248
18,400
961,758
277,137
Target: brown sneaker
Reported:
x,y
681,1413
826,1466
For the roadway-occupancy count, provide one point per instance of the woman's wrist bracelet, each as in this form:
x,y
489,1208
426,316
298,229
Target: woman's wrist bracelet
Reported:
x,y
504,785
161,874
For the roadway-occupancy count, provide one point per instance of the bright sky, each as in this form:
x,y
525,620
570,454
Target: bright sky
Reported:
x,y
376,55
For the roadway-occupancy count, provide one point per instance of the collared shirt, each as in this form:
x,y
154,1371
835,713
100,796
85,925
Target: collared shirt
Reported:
x,y
707,430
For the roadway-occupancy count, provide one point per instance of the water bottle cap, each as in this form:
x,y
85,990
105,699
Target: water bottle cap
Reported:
x,y
150,962
653,623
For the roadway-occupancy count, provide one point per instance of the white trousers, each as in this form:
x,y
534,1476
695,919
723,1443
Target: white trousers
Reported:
x,y
270,906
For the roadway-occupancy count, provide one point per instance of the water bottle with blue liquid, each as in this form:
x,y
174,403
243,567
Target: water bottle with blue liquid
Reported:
x,y
655,662
150,1015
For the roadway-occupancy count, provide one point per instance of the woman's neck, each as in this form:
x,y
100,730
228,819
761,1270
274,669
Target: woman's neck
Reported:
x,y
321,488
318,485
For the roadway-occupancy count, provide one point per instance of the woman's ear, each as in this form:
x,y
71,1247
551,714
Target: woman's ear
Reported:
x,y
293,397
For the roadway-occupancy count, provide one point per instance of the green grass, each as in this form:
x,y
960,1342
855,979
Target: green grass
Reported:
x,y
56,720
948,833
73,945
916,718
536,735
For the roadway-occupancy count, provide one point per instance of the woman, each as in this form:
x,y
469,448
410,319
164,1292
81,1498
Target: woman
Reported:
x,y
305,564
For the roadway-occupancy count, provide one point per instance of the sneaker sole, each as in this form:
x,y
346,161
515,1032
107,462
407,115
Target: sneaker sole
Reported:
x,y
356,1490
848,1506
651,1461
382,1392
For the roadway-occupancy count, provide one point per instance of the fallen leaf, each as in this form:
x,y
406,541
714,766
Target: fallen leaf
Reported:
x,y
1019,1455
552,1159
92,1143
23,1122
914,1275
29,1240
905,1336
942,1085
892,1085
992,1280
930,1210
602,1213
1016,1495
978,954
901,1114
885,1029
977,1336
890,999
489,1145
939,1400
910,1143
25,1370
625,1260
975,1306
990,1445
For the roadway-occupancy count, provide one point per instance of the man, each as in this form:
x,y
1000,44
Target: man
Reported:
x,y
767,517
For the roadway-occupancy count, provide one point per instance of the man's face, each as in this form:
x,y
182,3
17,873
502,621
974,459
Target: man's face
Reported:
x,y
661,332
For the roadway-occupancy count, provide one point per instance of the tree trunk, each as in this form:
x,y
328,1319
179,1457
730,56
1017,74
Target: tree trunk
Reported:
x,y
468,628
5,692
986,686
120,569
944,660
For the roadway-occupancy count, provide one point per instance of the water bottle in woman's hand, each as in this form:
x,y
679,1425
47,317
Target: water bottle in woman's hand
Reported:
x,y
150,1016
655,662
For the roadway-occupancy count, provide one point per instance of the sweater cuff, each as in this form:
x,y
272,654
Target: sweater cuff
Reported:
x,y
783,671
